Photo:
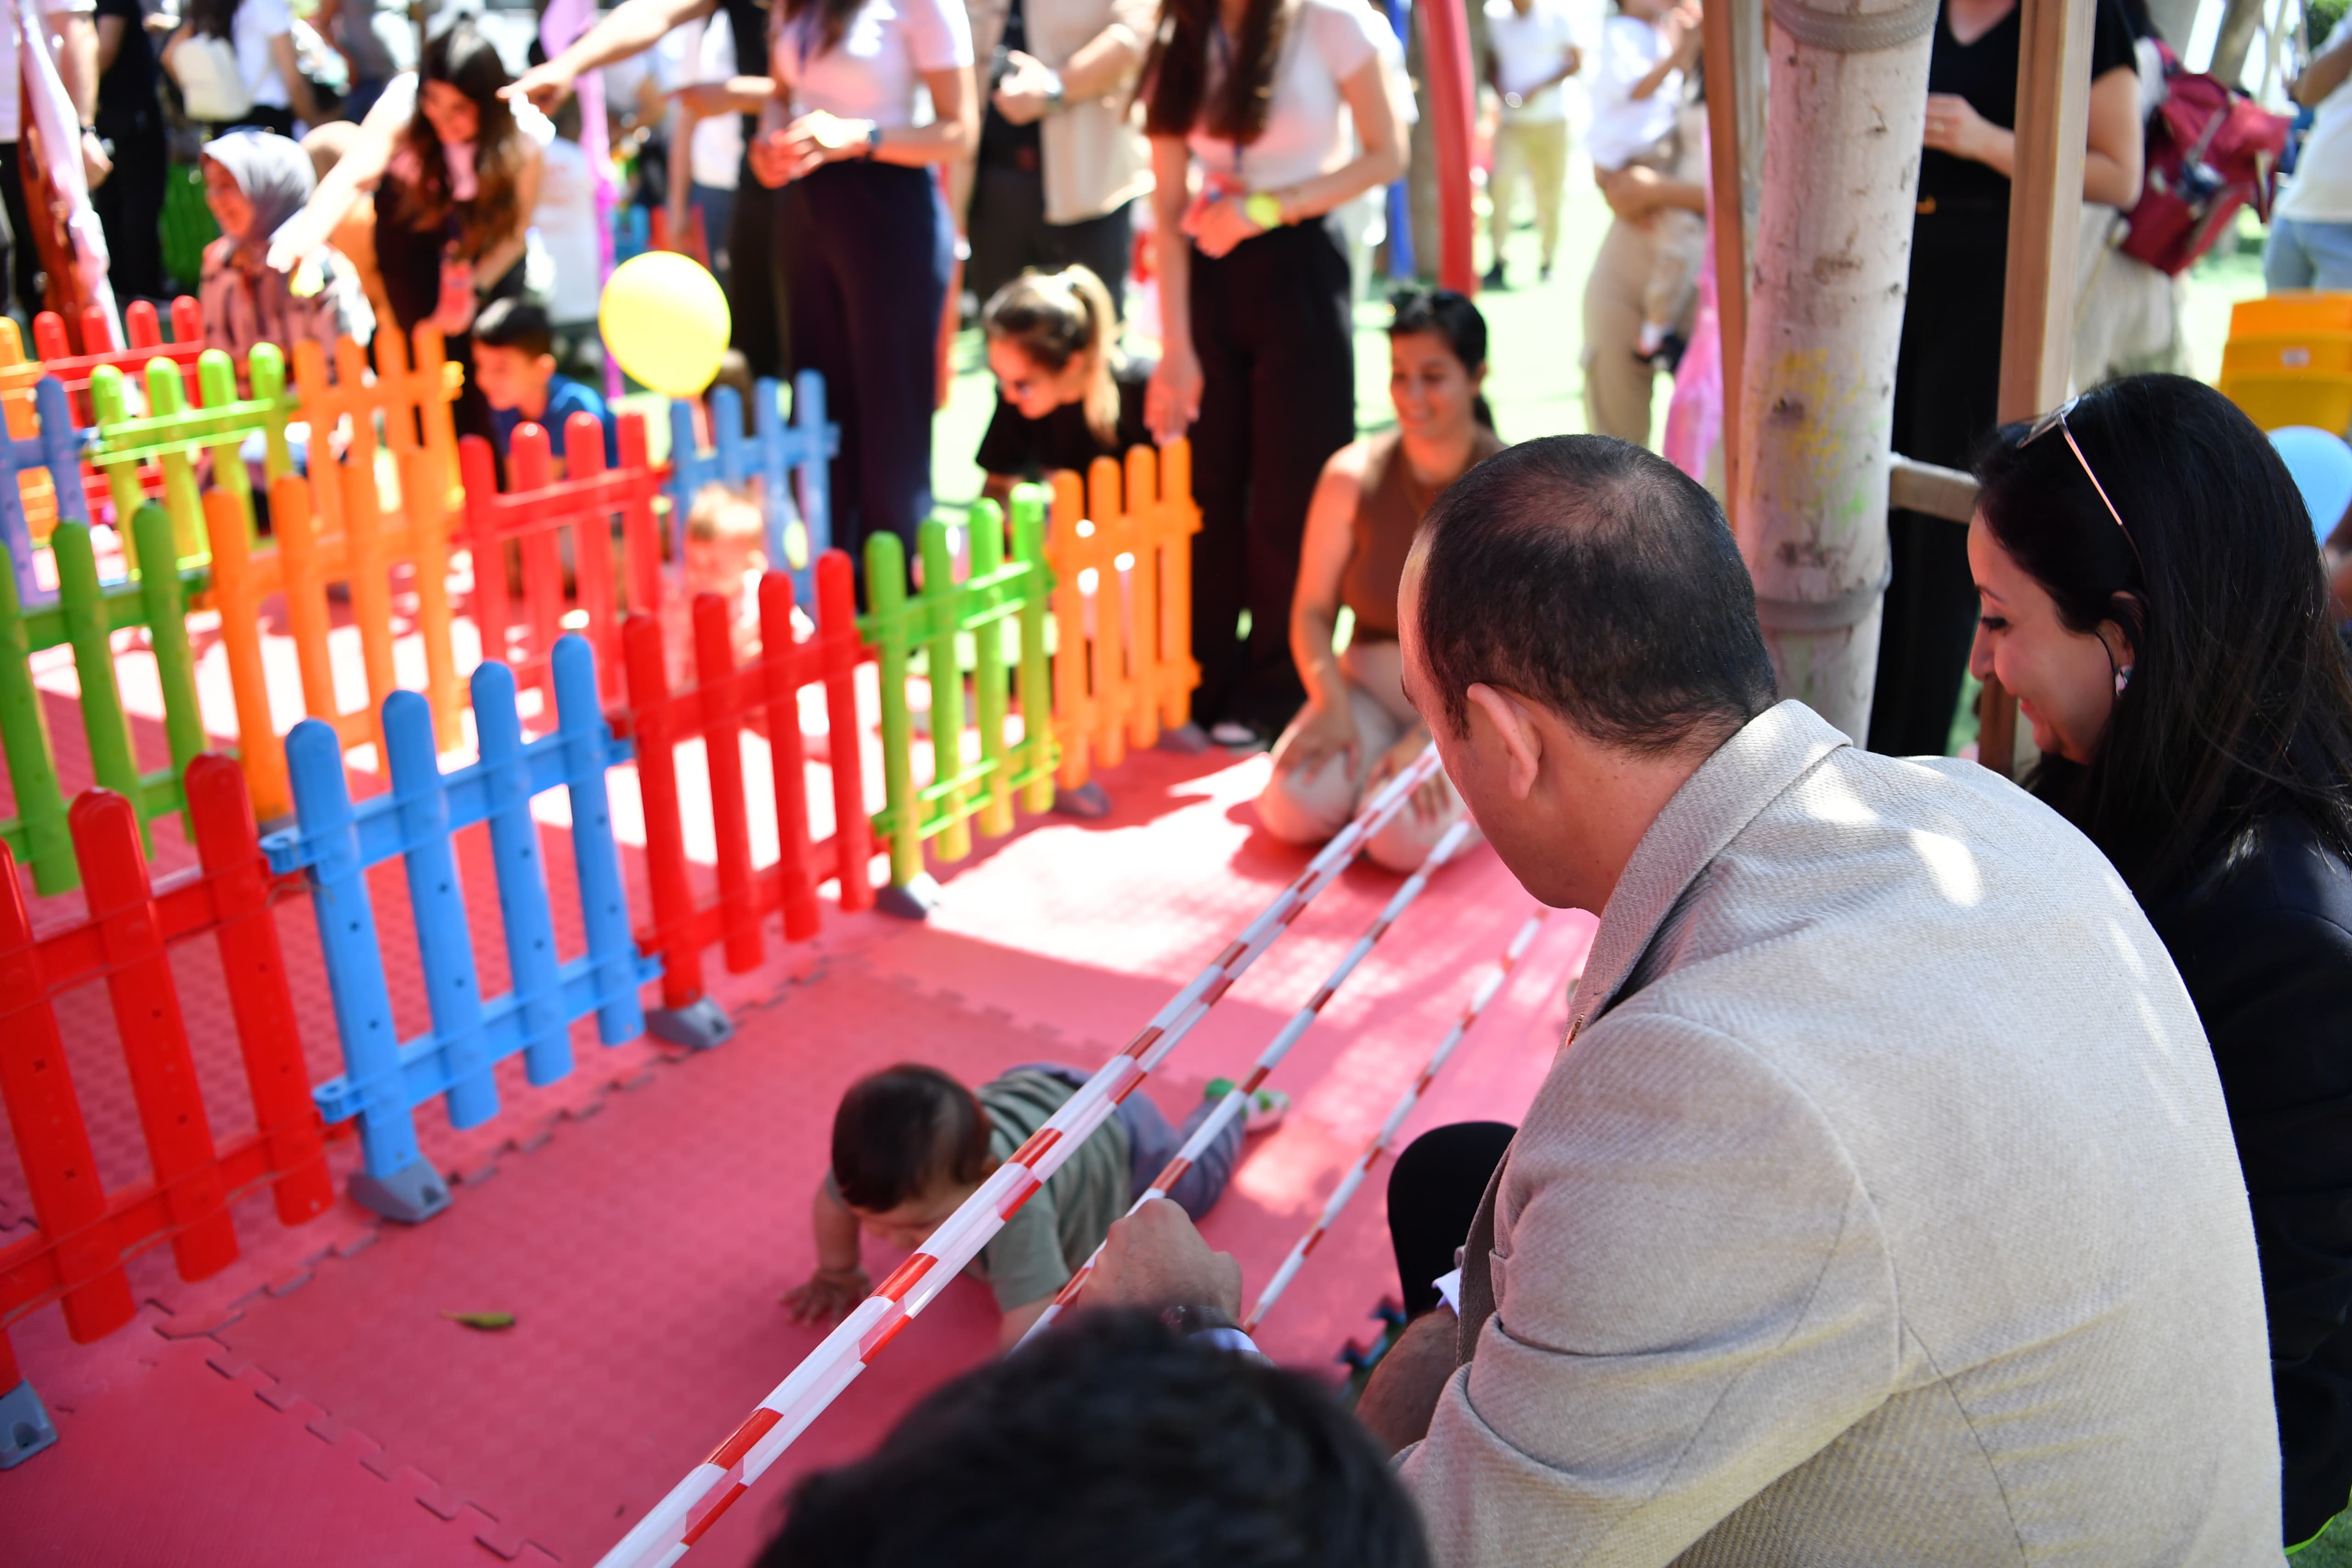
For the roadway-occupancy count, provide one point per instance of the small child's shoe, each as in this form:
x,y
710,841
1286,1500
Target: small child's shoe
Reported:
x,y
1266,1107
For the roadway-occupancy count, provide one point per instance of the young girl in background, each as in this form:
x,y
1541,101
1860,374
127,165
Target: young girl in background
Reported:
x,y
254,181
1066,393
455,172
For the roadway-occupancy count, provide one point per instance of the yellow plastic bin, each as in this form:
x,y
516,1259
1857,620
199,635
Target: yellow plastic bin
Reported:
x,y
2289,360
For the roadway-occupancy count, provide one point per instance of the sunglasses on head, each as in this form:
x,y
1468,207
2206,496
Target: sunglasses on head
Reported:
x,y
2056,420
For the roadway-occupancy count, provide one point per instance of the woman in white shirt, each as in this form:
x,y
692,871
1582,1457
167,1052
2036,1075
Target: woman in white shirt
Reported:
x,y
1258,345
261,34
863,233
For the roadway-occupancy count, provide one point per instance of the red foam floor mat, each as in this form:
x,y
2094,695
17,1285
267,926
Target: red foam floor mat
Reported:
x,y
641,1217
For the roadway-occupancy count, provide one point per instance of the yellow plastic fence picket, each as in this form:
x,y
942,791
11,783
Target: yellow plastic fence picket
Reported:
x,y
175,436
1122,562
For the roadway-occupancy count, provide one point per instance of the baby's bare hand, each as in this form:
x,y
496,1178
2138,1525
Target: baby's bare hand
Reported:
x,y
829,1296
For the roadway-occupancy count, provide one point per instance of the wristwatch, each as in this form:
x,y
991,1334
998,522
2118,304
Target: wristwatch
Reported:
x,y
1053,94
1210,1326
872,140
1263,208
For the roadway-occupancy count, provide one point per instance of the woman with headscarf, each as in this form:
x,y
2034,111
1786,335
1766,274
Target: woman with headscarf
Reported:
x,y
254,182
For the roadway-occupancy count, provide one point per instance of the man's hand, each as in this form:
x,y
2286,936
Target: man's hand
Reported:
x,y
1154,1258
1403,1392
830,1295
1429,798
1026,89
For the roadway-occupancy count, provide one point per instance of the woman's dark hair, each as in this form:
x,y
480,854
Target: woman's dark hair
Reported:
x,y
1111,1441
2239,703
211,18
469,62
828,18
904,1131
1174,82
1452,318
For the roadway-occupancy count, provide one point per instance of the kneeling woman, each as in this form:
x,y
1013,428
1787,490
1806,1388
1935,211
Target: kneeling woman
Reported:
x,y
1357,729
2151,595
1065,394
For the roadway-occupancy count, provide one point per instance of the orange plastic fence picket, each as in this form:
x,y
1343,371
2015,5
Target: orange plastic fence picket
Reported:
x,y
534,513
83,1234
1120,548
763,692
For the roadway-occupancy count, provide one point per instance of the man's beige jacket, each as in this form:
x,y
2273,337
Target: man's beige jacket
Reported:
x,y
1093,149
1881,1210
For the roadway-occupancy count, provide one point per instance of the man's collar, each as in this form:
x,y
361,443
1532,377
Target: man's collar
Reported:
x,y
1746,774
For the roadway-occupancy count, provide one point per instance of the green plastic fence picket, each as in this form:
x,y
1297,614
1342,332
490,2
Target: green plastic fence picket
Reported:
x,y
175,436
84,618
998,592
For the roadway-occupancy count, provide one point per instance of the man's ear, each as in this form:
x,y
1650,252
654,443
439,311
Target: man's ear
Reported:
x,y
1522,743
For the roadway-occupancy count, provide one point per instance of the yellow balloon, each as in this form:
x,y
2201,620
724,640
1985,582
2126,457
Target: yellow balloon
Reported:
x,y
664,318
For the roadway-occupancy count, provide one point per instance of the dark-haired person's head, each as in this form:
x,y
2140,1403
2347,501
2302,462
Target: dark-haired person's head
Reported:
x,y
909,1144
1110,1443
1437,364
2157,606
514,354
1580,631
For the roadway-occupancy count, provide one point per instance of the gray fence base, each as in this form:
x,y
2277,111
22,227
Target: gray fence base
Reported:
x,y
411,1195
698,1026
1086,801
912,900
1184,740
25,1426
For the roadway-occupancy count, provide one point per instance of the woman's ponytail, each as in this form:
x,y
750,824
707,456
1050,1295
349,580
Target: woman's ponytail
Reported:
x,y
1054,317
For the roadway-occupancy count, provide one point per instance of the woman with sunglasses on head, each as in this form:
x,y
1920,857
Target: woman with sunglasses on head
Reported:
x,y
2151,593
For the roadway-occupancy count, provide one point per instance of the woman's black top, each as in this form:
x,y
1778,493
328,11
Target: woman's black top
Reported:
x,y
1985,73
2261,933
128,115
1029,448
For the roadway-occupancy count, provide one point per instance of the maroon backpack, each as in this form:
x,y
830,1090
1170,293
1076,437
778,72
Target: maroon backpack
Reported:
x,y
2210,150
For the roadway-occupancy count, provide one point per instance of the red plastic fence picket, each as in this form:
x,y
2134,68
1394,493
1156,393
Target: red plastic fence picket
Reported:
x,y
98,347
535,512
83,1234
723,699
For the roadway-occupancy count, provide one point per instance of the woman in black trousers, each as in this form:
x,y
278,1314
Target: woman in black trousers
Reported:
x,y
1258,358
1948,374
862,231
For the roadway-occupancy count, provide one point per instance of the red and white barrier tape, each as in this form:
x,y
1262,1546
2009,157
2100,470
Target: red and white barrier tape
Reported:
x,y
1236,1099
1485,992
680,1520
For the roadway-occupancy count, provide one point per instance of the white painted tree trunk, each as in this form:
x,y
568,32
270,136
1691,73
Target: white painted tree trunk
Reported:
x,y
1832,254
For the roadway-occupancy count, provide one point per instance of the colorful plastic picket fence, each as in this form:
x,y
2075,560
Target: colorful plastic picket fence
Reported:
x,y
536,512
384,1080
174,436
776,455
722,701
409,395
998,594
38,444
1122,561
83,1234
83,616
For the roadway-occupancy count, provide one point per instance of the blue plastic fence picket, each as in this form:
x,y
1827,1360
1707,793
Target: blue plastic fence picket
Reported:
x,y
775,455
385,1078
57,448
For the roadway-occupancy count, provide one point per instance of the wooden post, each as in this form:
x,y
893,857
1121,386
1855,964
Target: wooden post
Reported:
x,y
1849,102
2045,217
1733,45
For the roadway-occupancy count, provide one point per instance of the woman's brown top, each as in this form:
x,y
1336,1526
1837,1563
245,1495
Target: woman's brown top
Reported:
x,y
1388,509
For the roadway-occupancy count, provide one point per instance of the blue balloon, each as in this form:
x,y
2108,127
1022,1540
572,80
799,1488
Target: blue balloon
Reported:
x,y
2321,465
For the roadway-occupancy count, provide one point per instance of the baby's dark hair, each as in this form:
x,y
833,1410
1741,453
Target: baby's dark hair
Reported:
x,y
515,324
904,1131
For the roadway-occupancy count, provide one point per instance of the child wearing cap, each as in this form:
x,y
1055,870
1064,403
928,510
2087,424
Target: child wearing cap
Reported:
x,y
910,1143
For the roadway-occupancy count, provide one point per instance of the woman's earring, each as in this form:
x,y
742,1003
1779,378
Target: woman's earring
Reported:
x,y
2122,678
